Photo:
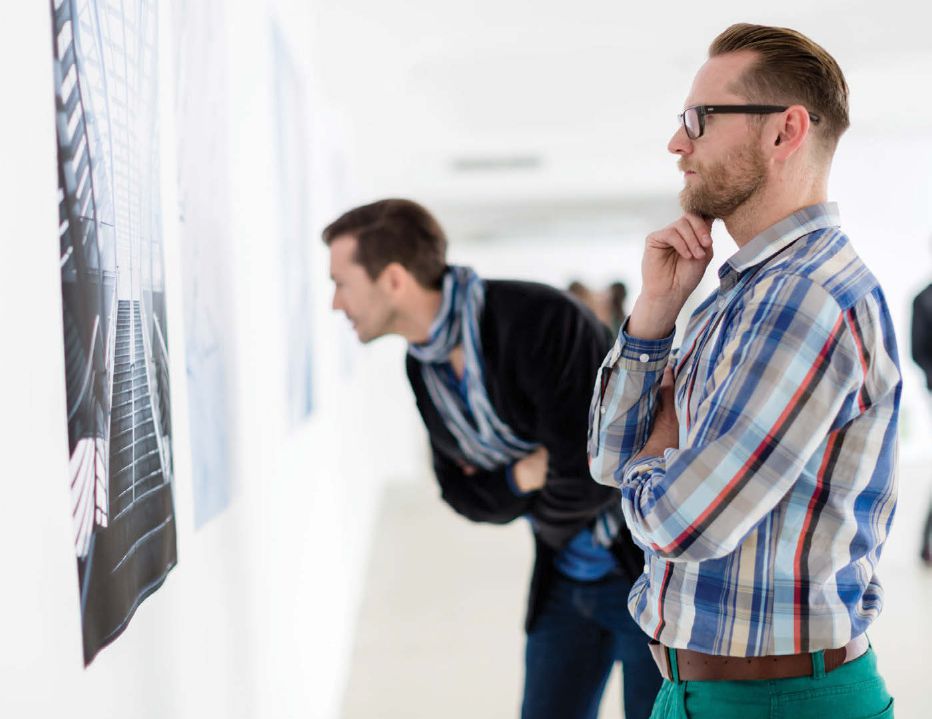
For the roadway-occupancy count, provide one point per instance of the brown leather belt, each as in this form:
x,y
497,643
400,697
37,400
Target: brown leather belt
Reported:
x,y
699,667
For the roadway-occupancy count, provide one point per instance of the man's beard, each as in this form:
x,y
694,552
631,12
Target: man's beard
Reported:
x,y
722,188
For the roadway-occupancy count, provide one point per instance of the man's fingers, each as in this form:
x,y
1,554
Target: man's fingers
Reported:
x,y
679,243
691,238
702,226
672,238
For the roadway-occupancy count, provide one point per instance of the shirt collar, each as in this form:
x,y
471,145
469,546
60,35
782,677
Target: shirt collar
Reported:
x,y
779,236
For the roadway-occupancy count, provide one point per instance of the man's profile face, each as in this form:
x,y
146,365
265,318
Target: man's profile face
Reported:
x,y
366,305
725,167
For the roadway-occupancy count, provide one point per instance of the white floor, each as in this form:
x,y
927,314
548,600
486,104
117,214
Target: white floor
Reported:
x,y
440,629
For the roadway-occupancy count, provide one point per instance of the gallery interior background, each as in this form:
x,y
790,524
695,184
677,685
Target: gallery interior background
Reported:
x,y
479,115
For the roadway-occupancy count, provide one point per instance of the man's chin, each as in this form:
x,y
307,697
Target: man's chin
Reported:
x,y
367,337
688,203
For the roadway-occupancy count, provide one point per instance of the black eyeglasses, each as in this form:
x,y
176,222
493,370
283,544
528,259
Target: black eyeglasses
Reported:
x,y
693,118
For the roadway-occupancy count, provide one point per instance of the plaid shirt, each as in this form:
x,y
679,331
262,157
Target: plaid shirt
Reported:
x,y
764,528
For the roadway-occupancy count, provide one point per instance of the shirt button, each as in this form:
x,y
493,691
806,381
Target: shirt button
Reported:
x,y
602,410
644,357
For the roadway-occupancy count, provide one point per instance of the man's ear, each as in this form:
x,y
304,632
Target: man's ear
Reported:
x,y
791,131
394,277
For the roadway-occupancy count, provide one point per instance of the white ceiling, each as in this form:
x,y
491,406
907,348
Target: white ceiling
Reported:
x,y
549,101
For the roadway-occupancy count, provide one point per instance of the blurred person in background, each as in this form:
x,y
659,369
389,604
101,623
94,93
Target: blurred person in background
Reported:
x,y
921,336
501,371
582,293
608,306
615,297
758,465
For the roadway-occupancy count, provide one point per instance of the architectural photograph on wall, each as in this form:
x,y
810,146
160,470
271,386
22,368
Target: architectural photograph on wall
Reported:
x,y
116,354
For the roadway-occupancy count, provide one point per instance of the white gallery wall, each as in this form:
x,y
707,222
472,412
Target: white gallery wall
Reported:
x,y
256,619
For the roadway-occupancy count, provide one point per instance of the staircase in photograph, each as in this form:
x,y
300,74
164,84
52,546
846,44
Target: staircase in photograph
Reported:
x,y
131,555
135,460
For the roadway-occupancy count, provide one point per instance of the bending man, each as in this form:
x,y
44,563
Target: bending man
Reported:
x,y
501,372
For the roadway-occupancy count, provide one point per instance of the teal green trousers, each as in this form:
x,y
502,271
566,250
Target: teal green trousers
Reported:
x,y
853,691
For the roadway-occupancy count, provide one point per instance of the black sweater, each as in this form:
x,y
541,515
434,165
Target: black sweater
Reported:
x,y
542,351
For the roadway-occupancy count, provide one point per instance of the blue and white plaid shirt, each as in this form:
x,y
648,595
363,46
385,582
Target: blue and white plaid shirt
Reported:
x,y
763,529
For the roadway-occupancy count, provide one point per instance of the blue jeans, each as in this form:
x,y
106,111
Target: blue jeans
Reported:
x,y
582,629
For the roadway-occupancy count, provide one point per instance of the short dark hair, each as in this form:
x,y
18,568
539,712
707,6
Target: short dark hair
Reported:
x,y
395,230
790,69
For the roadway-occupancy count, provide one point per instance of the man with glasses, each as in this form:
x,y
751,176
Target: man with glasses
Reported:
x,y
757,464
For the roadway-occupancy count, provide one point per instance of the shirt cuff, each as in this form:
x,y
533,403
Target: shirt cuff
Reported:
x,y
634,353
639,467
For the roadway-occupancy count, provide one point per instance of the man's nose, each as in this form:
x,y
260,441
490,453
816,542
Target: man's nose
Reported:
x,y
680,144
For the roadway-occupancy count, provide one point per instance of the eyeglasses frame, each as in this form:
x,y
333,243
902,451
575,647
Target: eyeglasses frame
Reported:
x,y
704,110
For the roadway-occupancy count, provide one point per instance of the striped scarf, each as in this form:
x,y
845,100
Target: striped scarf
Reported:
x,y
486,441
